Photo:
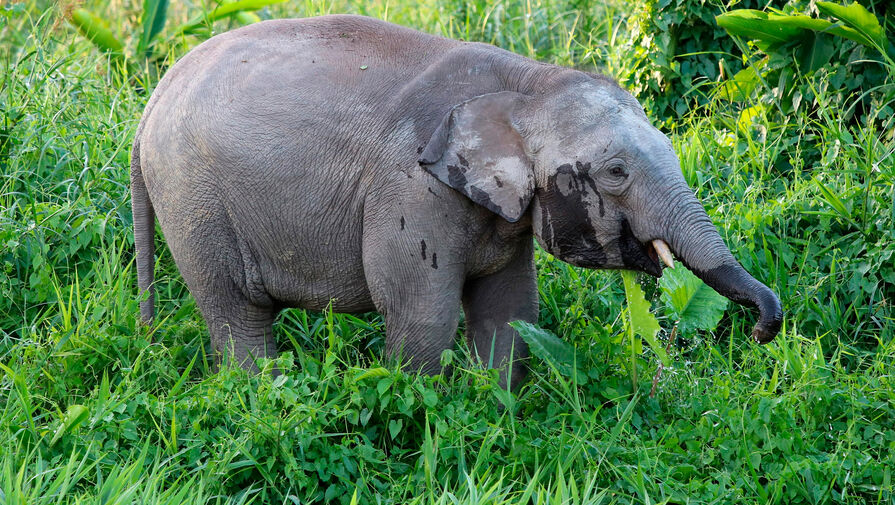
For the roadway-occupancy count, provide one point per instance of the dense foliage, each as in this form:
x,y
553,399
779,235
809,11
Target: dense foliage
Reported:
x,y
94,409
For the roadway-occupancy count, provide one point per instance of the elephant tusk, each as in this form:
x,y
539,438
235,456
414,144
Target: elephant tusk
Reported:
x,y
664,252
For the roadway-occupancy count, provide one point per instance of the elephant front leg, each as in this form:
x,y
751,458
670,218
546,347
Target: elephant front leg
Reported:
x,y
490,303
418,333
420,299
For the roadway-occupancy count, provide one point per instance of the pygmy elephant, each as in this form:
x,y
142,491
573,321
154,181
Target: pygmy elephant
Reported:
x,y
346,160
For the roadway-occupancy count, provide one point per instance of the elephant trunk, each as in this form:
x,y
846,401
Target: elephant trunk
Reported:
x,y
696,242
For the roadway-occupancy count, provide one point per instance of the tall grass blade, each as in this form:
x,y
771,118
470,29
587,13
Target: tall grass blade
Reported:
x,y
155,13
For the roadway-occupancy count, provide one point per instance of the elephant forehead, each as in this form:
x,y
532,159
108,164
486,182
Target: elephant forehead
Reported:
x,y
603,98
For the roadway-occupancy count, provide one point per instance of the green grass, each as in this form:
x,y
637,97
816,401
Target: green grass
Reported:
x,y
94,409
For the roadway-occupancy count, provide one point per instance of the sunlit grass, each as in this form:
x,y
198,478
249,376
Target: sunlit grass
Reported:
x,y
95,409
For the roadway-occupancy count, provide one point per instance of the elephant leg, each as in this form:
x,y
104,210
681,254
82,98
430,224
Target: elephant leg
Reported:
x,y
418,333
416,284
240,331
490,303
421,314
222,277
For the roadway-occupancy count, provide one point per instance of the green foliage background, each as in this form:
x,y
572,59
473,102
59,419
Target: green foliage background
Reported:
x,y
797,173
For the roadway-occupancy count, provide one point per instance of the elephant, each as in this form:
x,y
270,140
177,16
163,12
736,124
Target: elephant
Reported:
x,y
342,161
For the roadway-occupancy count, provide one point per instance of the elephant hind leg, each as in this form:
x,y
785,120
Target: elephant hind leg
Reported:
x,y
223,277
241,332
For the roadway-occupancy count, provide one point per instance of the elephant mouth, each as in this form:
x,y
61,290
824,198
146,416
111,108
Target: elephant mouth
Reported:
x,y
637,255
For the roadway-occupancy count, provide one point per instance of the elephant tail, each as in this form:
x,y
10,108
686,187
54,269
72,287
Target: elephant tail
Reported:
x,y
144,236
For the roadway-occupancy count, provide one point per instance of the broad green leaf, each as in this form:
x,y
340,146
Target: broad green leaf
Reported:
x,y
771,30
642,321
691,302
372,373
799,21
814,24
247,18
155,12
753,24
222,11
228,9
394,427
75,415
814,52
547,346
740,87
858,18
96,31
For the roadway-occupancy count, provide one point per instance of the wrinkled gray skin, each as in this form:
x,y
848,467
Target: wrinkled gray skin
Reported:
x,y
342,158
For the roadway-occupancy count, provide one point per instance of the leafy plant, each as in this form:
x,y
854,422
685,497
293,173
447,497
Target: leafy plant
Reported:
x,y
640,322
152,22
804,36
689,302
851,48
678,52
547,346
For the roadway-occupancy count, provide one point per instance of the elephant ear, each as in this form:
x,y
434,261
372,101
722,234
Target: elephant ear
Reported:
x,y
478,151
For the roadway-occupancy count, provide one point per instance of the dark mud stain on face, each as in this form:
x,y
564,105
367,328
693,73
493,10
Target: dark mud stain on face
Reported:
x,y
566,226
423,248
584,174
634,253
402,222
435,261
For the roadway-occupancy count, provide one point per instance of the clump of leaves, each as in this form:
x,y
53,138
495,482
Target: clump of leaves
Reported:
x,y
851,48
149,45
672,70
548,347
688,301
693,304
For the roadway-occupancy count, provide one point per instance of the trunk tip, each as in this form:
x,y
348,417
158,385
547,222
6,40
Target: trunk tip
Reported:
x,y
764,335
769,321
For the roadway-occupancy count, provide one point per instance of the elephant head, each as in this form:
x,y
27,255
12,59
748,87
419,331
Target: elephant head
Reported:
x,y
604,187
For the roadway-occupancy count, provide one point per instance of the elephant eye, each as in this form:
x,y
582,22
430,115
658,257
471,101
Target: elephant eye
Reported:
x,y
618,171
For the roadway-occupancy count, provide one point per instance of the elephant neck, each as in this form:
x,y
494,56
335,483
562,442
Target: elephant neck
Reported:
x,y
497,242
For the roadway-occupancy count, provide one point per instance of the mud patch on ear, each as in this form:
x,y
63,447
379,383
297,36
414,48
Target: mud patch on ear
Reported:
x,y
478,151
457,176
482,198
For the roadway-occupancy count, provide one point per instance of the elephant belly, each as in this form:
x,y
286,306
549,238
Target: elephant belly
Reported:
x,y
309,255
336,282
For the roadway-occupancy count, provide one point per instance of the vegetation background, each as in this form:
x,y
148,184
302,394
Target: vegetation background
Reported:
x,y
789,145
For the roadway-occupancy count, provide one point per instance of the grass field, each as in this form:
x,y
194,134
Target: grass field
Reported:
x,y
95,409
